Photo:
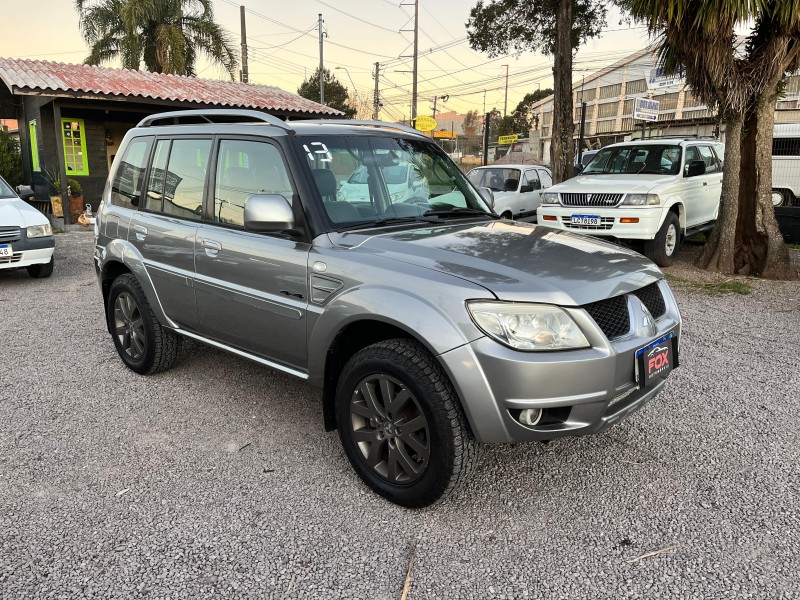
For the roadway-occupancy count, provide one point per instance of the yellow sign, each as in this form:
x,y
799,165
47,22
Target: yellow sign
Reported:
x,y
507,139
447,135
424,123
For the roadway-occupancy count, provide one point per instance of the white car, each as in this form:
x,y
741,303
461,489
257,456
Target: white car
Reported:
x,y
26,238
403,181
517,189
786,165
659,191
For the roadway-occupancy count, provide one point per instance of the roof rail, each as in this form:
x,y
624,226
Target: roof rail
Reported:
x,y
365,123
214,115
681,136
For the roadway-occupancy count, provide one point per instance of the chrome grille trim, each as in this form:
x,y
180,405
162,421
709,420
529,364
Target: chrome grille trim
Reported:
x,y
598,200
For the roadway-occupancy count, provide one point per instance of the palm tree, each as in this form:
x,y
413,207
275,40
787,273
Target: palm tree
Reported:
x,y
167,35
741,81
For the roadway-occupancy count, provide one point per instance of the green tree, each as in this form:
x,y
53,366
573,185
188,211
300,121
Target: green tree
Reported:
x,y
523,116
742,82
553,27
336,95
166,35
10,159
472,122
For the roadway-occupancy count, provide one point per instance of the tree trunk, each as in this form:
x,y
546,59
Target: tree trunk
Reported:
x,y
561,151
718,253
763,252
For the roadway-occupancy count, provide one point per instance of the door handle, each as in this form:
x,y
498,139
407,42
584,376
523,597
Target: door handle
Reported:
x,y
140,231
705,183
211,247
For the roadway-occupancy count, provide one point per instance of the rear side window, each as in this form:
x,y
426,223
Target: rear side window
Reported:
x,y
708,157
185,177
245,168
126,187
154,199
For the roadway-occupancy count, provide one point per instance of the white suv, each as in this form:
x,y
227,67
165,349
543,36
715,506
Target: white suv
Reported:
x,y
658,190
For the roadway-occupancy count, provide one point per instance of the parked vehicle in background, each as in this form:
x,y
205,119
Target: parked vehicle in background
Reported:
x,y
429,323
657,191
786,165
26,238
404,182
517,189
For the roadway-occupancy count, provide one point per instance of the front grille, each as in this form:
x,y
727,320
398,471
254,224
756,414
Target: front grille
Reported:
x,y
590,199
651,297
611,316
14,258
9,234
605,223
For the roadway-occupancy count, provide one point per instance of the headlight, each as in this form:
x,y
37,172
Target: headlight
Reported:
x,y
527,326
396,196
35,231
642,200
550,198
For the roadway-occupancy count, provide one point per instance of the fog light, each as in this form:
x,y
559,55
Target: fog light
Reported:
x,y
530,416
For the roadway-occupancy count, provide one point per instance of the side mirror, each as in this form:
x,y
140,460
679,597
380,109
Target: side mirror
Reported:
x,y
267,213
487,195
528,187
694,168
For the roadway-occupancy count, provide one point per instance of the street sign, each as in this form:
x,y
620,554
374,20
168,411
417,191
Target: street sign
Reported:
x,y
447,135
645,110
507,139
424,123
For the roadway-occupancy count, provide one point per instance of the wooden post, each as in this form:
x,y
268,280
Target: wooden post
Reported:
x,y
62,166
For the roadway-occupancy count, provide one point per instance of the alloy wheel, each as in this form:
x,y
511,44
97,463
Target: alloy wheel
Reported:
x,y
390,429
129,326
671,239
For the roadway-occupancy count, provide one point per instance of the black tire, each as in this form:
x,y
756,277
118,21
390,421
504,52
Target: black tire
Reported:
x,y
408,370
151,348
41,270
664,247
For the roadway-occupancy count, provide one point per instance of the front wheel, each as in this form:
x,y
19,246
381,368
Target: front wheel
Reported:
x,y
663,248
142,343
41,270
401,424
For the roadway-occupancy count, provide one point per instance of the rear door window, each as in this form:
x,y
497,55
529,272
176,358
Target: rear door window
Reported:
x,y
707,155
185,178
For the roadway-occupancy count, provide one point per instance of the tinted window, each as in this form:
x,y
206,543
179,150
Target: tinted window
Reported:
x,y
708,157
786,147
185,178
243,169
126,187
645,159
154,199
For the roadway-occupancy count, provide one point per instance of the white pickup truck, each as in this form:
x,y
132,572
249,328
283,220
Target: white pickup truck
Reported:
x,y
659,191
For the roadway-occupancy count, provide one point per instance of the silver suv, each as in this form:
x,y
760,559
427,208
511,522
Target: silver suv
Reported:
x,y
429,323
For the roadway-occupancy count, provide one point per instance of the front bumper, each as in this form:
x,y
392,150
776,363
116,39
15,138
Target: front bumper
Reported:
x,y
28,251
649,220
580,391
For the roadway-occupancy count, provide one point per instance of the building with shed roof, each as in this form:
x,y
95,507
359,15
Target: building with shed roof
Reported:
x,y
72,118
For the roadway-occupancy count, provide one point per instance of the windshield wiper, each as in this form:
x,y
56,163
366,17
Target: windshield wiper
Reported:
x,y
458,211
387,221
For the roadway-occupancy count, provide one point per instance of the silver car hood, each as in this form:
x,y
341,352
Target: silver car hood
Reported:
x,y
515,261
16,212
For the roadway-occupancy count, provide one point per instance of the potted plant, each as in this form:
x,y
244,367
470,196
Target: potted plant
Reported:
x,y
74,190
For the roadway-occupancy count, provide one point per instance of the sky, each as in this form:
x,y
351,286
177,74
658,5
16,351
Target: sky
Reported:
x,y
284,49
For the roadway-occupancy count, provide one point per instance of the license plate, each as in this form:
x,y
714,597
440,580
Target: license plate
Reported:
x,y
656,360
5,250
585,220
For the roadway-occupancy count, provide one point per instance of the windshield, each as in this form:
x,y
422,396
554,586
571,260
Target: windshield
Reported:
x,y
5,190
369,179
496,179
645,159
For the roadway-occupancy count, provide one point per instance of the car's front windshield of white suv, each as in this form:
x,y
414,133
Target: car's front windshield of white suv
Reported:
x,y
643,159
366,180
5,190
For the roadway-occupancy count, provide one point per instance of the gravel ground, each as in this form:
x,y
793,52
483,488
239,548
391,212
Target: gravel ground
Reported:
x,y
216,478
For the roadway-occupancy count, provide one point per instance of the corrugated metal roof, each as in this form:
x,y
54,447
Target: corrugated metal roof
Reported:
x,y
55,78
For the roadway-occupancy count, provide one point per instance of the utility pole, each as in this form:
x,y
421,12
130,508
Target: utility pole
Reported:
x,y
244,75
321,63
485,157
376,103
416,55
505,104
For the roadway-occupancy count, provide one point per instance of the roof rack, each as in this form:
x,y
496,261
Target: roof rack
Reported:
x,y
365,123
214,115
682,136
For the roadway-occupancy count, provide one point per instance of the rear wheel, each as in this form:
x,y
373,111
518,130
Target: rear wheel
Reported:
x,y
41,270
142,343
663,248
401,425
